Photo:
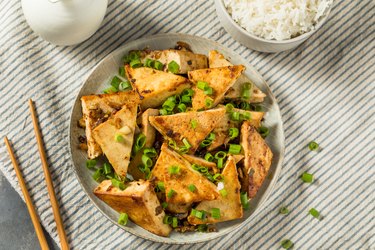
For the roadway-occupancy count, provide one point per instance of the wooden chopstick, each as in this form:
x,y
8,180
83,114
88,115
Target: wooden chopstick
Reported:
x,y
29,203
47,176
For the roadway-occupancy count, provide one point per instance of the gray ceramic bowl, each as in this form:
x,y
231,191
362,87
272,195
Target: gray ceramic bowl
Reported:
x,y
98,79
260,44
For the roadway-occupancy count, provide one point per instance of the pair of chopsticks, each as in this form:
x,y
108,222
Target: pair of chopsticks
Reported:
x,y
50,188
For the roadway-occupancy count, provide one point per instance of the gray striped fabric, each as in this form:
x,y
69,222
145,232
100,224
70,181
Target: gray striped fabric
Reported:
x,y
325,89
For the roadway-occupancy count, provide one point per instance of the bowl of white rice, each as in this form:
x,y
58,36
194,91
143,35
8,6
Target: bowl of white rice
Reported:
x,y
272,25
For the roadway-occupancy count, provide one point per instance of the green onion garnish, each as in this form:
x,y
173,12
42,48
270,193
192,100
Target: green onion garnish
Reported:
x,y
264,131
220,155
315,213
209,157
174,222
188,92
208,91
208,102
186,99
215,213
193,211
244,105
234,149
223,192
192,188
161,186
245,116
107,168
118,184
169,104
91,163
167,219
158,65
246,91
173,67
199,214
202,85
244,201
163,112
220,163
149,62
235,116
307,178
203,170
136,63
186,143
150,152
174,169
98,174
284,210
121,71
146,161
211,136
313,146
218,177
124,86
164,205
194,123
202,228
119,138
172,144
229,107
181,107
123,219
205,143
115,82
233,133
171,193
287,244
140,142
195,167
258,108
110,90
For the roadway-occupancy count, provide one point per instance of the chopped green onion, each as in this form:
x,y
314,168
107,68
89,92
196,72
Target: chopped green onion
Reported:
x,y
208,91
183,150
264,131
194,123
247,90
229,107
174,222
173,67
121,71
208,102
188,92
199,214
186,143
146,161
193,212
235,116
218,177
91,163
171,193
123,219
209,157
220,155
195,167
244,200
172,144
124,86
118,184
287,244
202,228
202,85
158,65
209,177
192,188
163,112
258,108
223,192
161,186
215,213
313,146
136,63
169,104
205,143
119,138
140,142
164,205
186,99
234,149
115,82
181,107
147,173
211,137
149,62
167,219
315,213
233,133
244,105
107,168
308,178
245,116
284,210
110,90
174,169
220,163
98,174
203,170
150,152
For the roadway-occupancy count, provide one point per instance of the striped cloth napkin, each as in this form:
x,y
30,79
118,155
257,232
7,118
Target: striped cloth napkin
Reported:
x,y
325,89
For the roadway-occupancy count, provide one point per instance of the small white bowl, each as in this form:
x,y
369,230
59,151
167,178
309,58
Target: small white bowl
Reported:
x,y
260,44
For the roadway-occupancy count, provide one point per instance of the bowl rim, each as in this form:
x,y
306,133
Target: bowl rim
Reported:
x,y
291,40
164,240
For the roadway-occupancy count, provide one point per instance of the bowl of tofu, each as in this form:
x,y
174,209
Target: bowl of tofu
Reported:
x,y
176,139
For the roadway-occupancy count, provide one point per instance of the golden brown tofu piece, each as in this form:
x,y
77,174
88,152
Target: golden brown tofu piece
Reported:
x,y
230,205
221,130
155,86
180,181
97,109
179,126
139,201
201,162
122,124
217,60
187,60
219,79
149,131
258,159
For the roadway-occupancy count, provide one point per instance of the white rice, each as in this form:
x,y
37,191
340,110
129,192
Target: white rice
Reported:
x,y
277,19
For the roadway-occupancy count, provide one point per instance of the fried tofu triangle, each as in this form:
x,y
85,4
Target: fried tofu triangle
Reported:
x,y
177,183
139,201
97,109
230,206
219,79
218,60
179,126
115,136
258,159
155,86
